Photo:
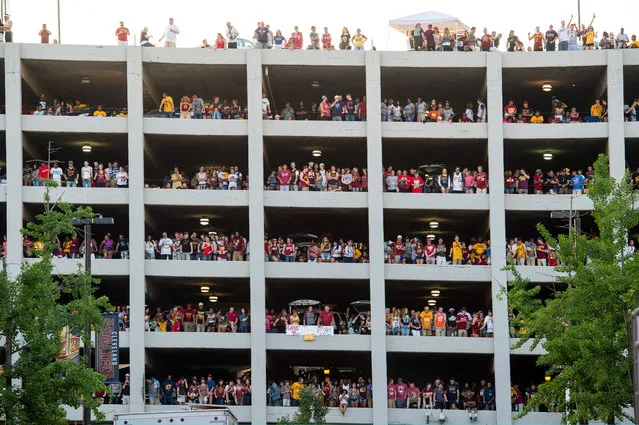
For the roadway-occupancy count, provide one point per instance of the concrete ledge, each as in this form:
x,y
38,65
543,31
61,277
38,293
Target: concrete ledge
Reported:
x,y
439,344
3,194
435,130
208,198
416,416
547,202
195,127
630,57
432,59
353,415
437,273
70,52
195,56
206,340
321,343
569,59
556,131
314,58
537,274
322,129
436,201
315,199
73,124
631,131
171,268
282,270
113,267
3,125
525,349
77,195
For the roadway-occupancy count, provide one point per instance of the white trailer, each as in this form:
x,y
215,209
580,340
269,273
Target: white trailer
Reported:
x,y
217,415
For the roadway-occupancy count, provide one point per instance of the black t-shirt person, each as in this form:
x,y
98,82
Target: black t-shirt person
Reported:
x,y
551,38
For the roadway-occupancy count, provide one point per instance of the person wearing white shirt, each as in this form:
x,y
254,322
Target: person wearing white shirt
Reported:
x,y
231,35
622,39
166,247
122,178
349,252
489,324
170,34
563,35
56,174
86,173
629,251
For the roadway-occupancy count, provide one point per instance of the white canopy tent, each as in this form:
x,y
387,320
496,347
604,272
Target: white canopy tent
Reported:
x,y
437,19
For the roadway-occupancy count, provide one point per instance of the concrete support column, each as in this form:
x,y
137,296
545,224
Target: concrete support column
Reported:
x,y
375,169
498,237
616,137
136,225
256,235
13,117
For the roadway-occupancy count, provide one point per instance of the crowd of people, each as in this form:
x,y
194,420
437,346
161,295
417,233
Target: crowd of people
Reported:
x,y
179,319
183,391
414,181
347,323
197,108
209,246
320,250
316,177
218,178
96,175
562,182
70,246
77,108
435,111
435,322
558,113
340,108
413,251
533,252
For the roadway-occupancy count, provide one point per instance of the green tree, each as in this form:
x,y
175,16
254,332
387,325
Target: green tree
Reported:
x,y
310,410
586,329
35,308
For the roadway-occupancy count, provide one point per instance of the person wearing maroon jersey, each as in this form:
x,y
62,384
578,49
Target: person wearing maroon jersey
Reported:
x,y
538,44
399,248
284,178
402,394
305,183
414,396
289,251
298,39
188,322
429,36
511,109
232,317
462,323
391,392
185,108
239,245
486,41
538,182
327,40
481,181
430,252
542,252
326,317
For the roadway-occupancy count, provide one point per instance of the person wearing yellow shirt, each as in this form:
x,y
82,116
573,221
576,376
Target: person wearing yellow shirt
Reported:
x,y
427,318
537,118
176,179
167,106
358,40
99,112
596,110
296,389
634,44
456,251
520,256
479,251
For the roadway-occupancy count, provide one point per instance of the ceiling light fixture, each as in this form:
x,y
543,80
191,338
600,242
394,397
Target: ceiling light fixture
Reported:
x,y
317,153
432,302
435,293
87,148
431,236
204,289
212,233
433,224
213,299
547,156
204,221
546,87
315,84
85,80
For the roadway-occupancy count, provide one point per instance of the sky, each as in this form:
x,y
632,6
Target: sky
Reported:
x,y
88,22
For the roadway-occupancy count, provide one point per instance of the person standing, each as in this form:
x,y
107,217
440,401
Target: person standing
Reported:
x,y
167,106
261,36
231,35
170,34
44,34
418,36
123,34
8,24
550,37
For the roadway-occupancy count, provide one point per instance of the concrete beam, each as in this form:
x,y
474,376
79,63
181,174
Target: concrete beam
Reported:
x,y
35,83
616,139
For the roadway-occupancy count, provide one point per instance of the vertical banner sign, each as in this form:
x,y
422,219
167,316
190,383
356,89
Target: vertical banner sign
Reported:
x,y
107,349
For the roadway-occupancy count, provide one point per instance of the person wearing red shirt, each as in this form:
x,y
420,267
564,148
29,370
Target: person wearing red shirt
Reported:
x,y
365,180
123,35
361,110
297,39
189,319
399,248
304,180
43,174
418,184
542,252
185,108
326,317
289,251
402,394
481,181
413,396
538,182
510,109
284,177
462,323
430,250
391,394
327,40
538,44
405,182
232,317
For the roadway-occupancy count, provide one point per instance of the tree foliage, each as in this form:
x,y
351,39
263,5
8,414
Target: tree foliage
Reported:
x,y
586,329
310,410
35,308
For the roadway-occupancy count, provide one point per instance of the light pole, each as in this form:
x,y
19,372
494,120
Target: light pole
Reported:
x,y
87,222
59,30
578,14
